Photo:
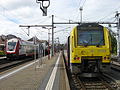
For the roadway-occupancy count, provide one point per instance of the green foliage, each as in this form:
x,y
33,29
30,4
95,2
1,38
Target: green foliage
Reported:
x,y
113,44
2,53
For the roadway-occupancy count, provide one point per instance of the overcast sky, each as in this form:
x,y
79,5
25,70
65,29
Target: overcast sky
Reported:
x,y
27,12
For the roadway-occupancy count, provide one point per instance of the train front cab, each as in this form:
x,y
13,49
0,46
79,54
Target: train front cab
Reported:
x,y
12,48
89,58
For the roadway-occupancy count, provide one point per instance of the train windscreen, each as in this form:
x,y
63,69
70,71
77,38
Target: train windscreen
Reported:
x,y
90,37
11,46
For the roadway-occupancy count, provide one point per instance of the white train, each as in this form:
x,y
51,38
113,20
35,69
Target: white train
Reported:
x,y
16,48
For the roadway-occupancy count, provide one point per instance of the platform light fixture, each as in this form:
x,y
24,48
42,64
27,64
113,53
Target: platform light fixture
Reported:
x,y
44,4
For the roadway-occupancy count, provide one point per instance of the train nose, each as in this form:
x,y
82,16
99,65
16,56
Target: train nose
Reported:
x,y
11,55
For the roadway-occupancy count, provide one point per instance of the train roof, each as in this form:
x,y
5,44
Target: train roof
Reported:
x,y
21,41
89,25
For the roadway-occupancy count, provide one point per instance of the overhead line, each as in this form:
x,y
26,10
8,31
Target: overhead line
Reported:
x,y
104,17
109,13
45,20
35,25
9,17
83,3
62,18
80,2
84,22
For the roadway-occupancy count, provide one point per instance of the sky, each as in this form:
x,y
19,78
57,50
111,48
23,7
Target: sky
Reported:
x,y
27,12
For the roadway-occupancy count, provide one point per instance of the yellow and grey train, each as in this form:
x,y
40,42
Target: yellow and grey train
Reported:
x,y
89,48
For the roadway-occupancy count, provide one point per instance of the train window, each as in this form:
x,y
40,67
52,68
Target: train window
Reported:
x,y
90,37
11,45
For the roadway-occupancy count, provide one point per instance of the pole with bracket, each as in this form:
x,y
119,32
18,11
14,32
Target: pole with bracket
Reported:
x,y
52,35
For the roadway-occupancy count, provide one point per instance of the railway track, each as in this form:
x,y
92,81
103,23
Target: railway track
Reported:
x,y
115,67
6,64
96,83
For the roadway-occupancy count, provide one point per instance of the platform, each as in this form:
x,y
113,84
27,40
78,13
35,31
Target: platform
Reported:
x,y
3,57
45,75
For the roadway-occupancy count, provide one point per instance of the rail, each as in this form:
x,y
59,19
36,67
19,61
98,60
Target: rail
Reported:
x,y
94,83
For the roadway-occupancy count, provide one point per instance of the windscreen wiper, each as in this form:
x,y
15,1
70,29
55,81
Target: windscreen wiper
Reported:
x,y
86,43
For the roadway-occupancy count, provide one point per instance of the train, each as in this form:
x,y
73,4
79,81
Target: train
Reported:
x,y
2,50
17,48
89,49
